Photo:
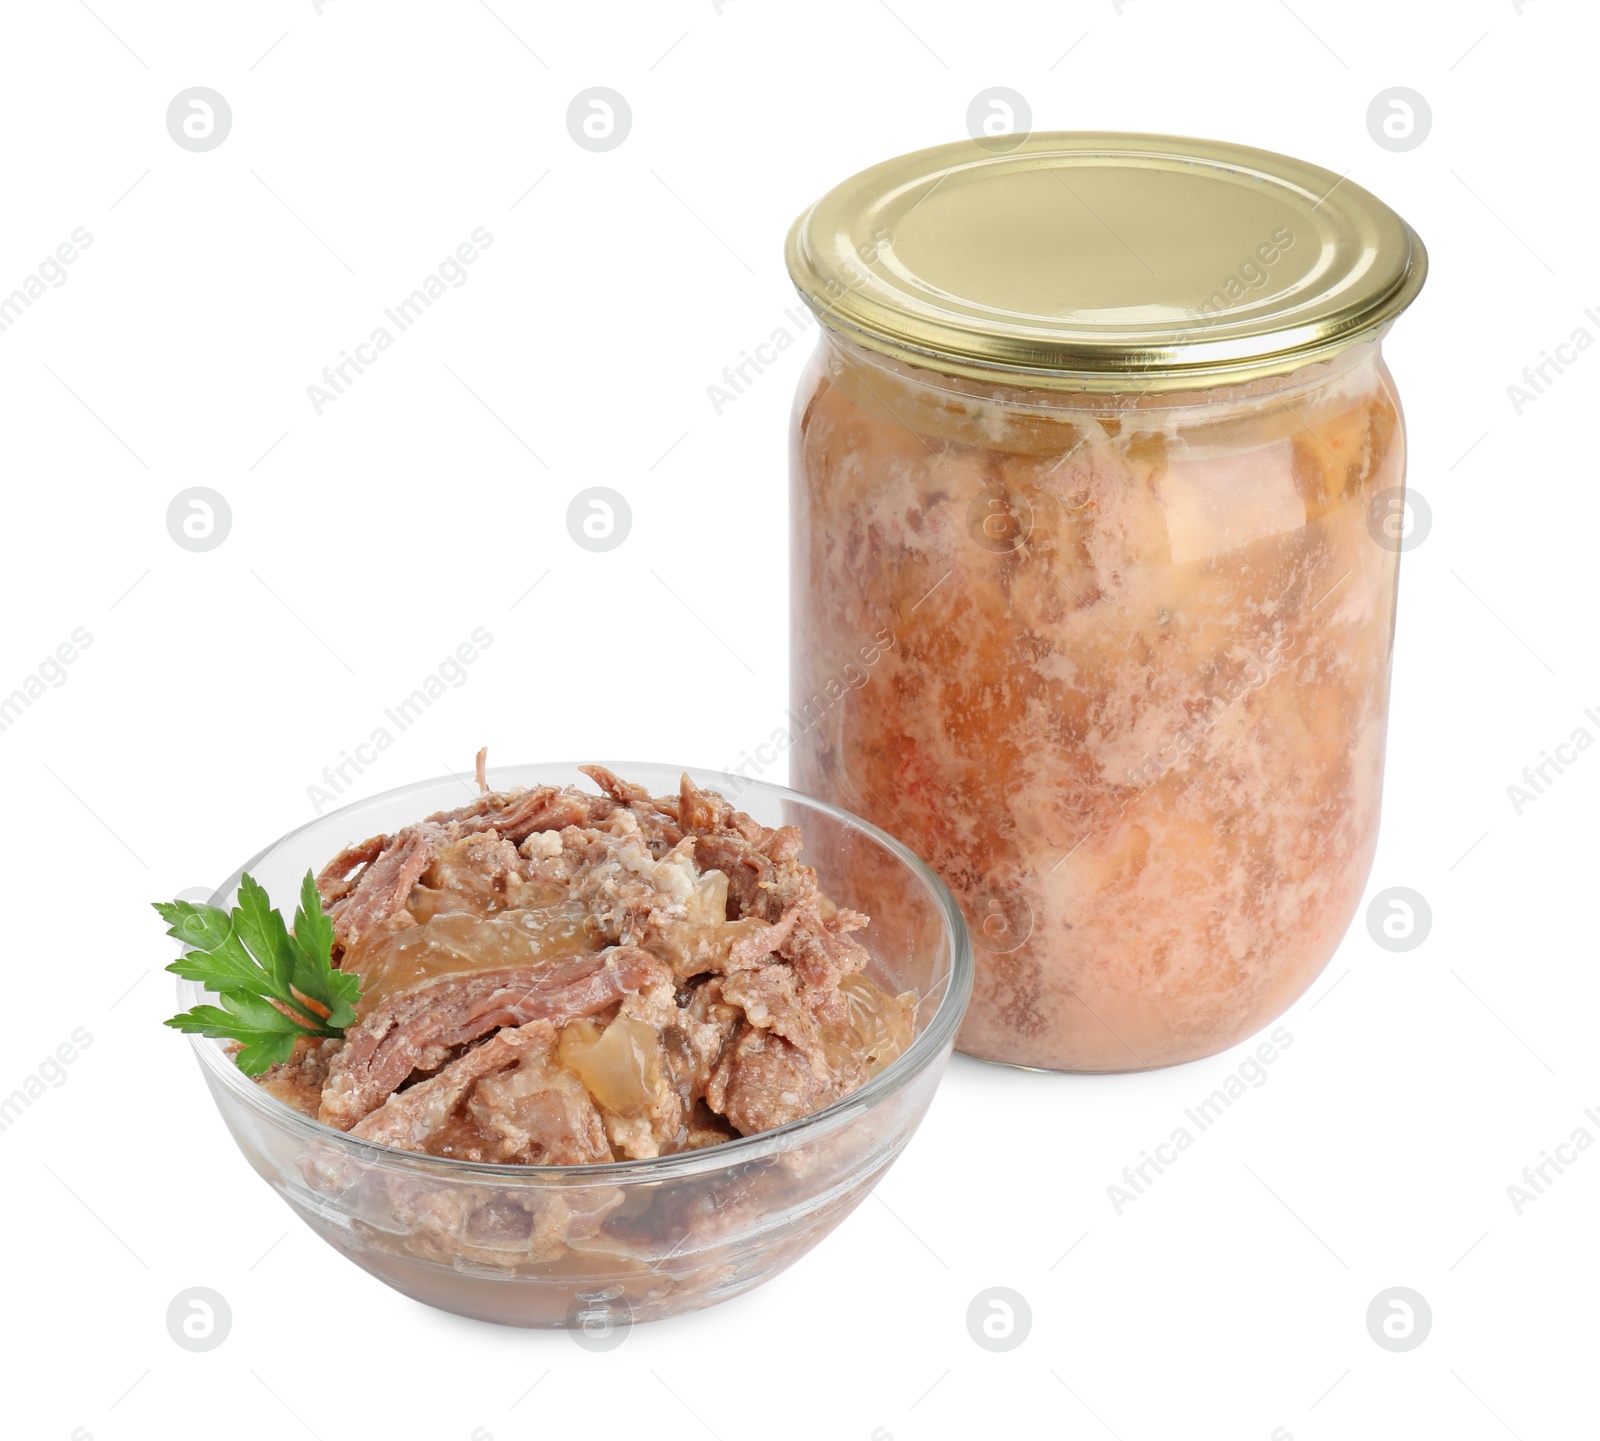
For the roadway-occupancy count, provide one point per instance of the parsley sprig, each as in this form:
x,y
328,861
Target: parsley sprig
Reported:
x,y
274,986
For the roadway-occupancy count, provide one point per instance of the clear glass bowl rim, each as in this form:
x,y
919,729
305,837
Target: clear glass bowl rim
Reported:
x,y
924,1049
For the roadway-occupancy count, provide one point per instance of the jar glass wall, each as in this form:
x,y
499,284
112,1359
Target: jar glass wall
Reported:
x,y
1117,666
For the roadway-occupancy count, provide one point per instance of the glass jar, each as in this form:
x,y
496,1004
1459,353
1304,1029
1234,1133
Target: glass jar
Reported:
x,y
1097,491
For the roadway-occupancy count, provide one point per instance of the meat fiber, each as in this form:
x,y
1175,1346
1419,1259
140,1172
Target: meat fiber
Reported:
x,y
384,1049
553,976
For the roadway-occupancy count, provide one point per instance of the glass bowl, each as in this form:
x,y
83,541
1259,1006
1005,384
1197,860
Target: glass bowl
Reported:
x,y
602,1246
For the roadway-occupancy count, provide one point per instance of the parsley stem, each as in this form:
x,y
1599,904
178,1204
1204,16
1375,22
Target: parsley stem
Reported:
x,y
303,1013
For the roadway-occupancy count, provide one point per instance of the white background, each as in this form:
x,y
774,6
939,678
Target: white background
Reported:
x,y
367,542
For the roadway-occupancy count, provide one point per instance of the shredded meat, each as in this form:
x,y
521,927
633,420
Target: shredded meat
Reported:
x,y
482,867
774,999
517,816
821,950
766,1081
298,1082
556,976
383,884
384,1049
764,877
536,1112
413,1117
340,875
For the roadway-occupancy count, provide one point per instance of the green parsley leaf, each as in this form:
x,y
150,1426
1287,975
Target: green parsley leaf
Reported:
x,y
263,932
199,926
274,985
312,976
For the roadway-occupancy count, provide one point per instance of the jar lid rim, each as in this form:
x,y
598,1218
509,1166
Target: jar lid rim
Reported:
x,y
1104,261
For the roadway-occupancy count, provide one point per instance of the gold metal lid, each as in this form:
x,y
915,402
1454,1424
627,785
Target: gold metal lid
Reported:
x,y
1104,261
